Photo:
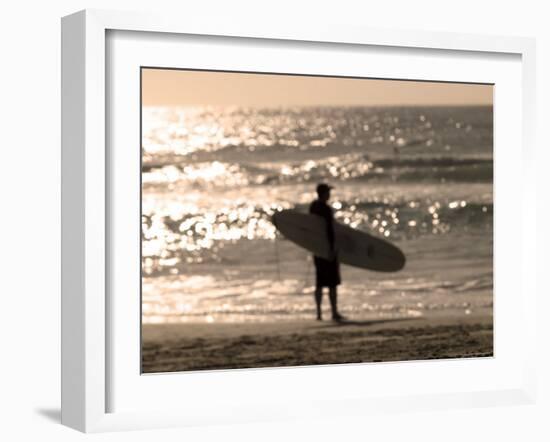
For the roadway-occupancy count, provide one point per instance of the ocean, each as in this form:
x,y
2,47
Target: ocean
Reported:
x,y
420,177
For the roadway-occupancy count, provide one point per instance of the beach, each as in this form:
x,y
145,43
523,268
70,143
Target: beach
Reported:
x,y
222,288
203,346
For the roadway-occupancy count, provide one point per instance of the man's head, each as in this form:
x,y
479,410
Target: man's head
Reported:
x,y
323,191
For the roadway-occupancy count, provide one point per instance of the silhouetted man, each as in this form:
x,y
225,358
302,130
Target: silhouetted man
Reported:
x,y
327,271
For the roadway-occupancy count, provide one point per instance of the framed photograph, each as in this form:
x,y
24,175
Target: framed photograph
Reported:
x,y
264,223
236,199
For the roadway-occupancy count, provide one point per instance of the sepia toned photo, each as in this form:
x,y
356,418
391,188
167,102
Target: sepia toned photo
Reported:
x,y
296,220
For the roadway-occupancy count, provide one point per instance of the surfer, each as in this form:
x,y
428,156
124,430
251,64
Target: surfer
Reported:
x,y
327,271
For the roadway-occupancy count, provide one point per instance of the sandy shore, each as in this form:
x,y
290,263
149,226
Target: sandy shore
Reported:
x,y
179,347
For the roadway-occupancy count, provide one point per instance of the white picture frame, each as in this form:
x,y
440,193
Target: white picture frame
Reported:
x,y
87,205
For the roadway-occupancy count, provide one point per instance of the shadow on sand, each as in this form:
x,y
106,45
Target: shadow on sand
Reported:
x,y
364,323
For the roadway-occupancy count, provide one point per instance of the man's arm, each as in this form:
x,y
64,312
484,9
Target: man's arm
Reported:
x,y
330,230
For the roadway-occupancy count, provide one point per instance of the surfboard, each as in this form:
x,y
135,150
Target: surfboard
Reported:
x,y
355,248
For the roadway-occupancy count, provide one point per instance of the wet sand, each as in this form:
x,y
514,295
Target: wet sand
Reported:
x,y
203,346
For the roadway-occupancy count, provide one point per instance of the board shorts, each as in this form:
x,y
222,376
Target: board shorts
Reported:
x,y
327,273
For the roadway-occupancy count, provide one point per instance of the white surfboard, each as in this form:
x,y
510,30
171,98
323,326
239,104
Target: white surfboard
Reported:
x,y
353,247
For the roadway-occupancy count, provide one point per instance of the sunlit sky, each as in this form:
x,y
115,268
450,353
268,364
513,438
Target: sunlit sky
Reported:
x,y
165,87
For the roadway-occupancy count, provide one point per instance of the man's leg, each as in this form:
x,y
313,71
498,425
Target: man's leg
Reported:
x,y
332,294
318,299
